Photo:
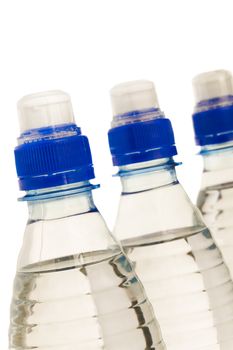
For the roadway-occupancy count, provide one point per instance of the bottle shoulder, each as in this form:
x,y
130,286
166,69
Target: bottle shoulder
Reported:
x,y
217,179
61,237
164,211
216,200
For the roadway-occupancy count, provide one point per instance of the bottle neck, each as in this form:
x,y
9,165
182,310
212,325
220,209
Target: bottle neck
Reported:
x,y
218,157
64,222
152,194
147,175
59,202
218,164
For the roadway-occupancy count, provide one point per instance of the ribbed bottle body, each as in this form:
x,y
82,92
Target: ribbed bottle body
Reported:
x,y
177,260
74,287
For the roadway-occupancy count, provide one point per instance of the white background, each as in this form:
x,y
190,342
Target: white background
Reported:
x,y
85,47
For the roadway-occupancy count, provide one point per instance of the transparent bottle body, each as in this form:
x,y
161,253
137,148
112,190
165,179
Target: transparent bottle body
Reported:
x,y
215,199
74,288
176,258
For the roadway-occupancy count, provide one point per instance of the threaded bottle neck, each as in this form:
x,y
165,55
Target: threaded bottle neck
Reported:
x,y
217,157
147,175
61,201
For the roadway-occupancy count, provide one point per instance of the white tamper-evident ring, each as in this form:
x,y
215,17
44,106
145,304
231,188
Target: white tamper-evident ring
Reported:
x,y
133,96
212,84
44,109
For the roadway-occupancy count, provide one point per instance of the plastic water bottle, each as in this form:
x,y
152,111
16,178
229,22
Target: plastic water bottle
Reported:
x,y
74,288
164,235
213,125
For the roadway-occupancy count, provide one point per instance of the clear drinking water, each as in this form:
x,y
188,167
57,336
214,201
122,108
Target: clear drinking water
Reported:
x,y
213,126
181,269
74,287
62,305
215,199
173,252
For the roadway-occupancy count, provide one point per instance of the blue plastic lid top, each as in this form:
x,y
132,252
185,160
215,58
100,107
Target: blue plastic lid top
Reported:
x,y
213,115
51,151
139,132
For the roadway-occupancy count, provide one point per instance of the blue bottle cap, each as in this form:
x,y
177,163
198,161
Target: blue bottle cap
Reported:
x,y
51,150
213,116
139,132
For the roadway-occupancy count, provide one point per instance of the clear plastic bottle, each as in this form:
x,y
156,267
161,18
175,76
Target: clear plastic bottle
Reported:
x,y
213,124
173,252
74,288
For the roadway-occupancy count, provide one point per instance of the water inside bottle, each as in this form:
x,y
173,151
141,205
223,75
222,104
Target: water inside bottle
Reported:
x,y
215,203
188,285
90,301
